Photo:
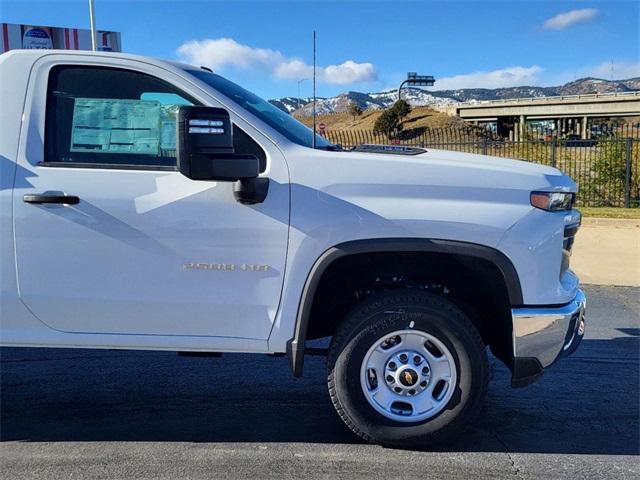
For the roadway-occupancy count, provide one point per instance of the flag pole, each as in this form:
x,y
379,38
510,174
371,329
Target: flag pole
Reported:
x,y
92,19
314,91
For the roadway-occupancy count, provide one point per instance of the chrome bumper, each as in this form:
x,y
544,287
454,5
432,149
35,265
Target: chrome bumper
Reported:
x,y
542,335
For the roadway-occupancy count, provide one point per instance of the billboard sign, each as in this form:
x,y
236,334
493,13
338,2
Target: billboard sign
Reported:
x,y
14,36
36,37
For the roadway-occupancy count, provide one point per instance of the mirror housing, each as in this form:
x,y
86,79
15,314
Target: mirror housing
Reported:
x,y
204,146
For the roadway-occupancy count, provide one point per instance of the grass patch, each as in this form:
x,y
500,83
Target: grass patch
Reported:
x,y
610,212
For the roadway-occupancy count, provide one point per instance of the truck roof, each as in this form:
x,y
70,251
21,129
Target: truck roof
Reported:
x,y
35,54
20,62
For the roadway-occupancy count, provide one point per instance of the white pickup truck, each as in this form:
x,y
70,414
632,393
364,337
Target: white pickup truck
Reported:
x,y
152,205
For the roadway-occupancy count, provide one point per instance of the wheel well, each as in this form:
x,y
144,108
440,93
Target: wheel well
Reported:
x,y
475,284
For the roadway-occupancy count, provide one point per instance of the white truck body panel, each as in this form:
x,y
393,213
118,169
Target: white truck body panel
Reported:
x,y
436,195
118,257
110,272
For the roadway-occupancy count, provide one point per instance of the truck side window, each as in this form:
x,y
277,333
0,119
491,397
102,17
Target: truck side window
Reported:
x,y
97,115
110,116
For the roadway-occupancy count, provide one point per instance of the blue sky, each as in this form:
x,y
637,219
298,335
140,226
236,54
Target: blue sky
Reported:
x,y
368,45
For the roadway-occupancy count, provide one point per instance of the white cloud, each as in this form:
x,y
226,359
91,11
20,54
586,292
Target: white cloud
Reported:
x,y
349,72
619,70
566,19
605,70
293,70
532,76
505,77
222,52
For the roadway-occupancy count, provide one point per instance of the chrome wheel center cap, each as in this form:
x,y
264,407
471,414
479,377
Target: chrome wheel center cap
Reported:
x,y
407,373
407,377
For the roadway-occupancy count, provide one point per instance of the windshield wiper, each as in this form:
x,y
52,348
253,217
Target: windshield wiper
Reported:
x,y
331,148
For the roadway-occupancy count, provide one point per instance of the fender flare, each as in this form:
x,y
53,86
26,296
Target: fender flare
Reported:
x,y
296,345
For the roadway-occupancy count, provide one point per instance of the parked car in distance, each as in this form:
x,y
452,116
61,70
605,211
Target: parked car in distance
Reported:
x,y
575,140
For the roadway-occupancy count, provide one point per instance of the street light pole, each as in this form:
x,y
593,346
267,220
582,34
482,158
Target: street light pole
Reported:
x,y
416,80
299,82
92,19
313,141
400,90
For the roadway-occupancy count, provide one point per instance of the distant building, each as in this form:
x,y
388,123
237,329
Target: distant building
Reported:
x,y
16,36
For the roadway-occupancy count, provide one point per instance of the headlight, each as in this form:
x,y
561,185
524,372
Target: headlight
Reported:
x,y
553,201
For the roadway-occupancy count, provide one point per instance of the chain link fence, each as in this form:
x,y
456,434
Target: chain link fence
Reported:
x,y
605,167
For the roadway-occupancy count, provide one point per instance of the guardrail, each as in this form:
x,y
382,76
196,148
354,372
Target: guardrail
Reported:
x,y
551,99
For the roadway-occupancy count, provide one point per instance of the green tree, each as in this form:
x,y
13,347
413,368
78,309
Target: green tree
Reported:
x,y
355,110
387,123
390,122
402,108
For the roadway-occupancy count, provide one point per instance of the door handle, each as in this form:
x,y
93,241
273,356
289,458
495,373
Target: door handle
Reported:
x,y
50,198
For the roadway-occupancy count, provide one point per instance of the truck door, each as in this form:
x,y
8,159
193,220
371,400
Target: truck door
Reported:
x,y
128,244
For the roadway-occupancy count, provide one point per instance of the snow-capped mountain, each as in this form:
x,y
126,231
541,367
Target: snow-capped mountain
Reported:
x,y
414,96
341,103
418,97
290,104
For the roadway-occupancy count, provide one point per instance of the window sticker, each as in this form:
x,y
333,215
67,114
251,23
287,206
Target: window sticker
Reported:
x,y
104,125
168,118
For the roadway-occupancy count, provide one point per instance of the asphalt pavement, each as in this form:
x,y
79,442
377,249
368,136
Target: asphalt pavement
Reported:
x,y
123,415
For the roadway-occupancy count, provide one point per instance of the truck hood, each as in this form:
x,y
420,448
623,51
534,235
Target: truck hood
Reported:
x,y
500,166
461,173
438,193
487,162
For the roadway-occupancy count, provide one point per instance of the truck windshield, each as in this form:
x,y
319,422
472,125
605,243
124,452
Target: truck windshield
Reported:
x,y
265,111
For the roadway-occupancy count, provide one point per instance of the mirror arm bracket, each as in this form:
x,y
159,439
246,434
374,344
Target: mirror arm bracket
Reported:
x,y
250,191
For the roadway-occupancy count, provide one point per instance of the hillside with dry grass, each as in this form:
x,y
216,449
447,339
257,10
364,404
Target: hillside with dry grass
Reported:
x,y
419,117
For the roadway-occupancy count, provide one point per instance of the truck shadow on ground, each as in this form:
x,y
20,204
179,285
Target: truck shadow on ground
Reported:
x,y
587,404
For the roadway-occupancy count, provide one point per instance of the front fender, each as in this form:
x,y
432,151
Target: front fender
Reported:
x,y
296,345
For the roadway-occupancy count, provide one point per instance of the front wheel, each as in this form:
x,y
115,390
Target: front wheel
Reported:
x,y
407,368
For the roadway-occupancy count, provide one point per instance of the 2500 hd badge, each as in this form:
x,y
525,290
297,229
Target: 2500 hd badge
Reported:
x,y
226,267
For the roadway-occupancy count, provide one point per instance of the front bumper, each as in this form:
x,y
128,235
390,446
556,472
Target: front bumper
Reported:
x,y
541,335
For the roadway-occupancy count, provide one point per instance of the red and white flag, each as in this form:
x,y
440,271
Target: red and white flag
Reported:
x,y
10,37
71,39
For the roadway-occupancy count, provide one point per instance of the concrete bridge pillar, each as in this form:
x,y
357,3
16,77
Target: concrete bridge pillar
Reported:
x,y
585,132
521,127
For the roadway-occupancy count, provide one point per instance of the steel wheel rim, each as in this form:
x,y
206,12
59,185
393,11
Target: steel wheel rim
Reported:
x,y
408,376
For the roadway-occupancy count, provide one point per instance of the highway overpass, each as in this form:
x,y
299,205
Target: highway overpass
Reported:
x,y
570,112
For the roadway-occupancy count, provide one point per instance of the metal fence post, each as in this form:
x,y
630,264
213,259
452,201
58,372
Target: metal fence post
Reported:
x,y
627,176
484,146
554,148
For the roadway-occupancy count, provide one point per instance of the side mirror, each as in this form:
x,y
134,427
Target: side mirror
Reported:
x,y
204,146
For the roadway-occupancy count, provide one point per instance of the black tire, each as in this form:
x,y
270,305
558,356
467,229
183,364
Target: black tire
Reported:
x,y
385,313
